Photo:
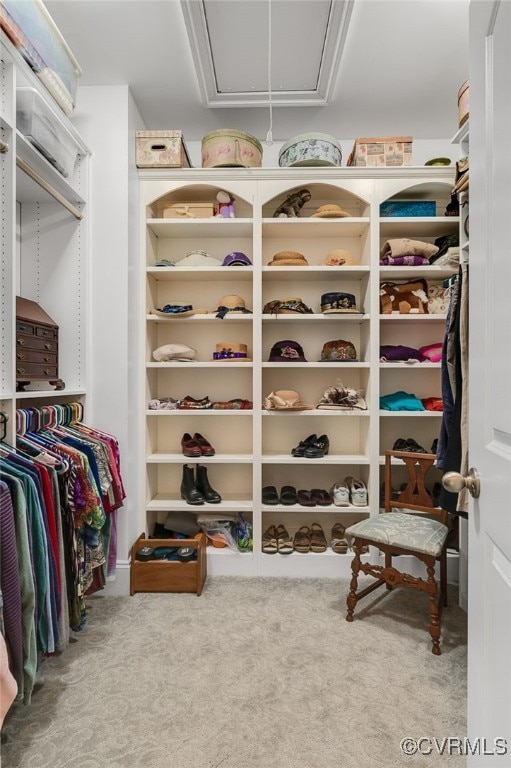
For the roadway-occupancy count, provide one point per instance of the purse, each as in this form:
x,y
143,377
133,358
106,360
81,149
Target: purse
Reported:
x,y
287,307
404,298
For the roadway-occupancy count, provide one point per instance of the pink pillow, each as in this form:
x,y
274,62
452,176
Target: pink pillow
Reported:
x,y
432,352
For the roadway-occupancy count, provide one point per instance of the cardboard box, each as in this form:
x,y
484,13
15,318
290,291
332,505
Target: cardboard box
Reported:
x,y
392,151
161,149
188,211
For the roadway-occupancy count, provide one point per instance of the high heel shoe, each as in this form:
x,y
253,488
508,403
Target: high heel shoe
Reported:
x,y
204,488
189,491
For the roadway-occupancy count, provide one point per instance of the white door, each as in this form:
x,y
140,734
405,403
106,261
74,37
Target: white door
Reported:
x,y
489,556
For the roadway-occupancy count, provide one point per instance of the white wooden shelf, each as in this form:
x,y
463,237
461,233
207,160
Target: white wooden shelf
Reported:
x,y
218,458
258,452
45,394
200,228
187,274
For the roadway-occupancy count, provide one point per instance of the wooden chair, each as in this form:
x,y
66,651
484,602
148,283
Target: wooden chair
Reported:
x,y
417,528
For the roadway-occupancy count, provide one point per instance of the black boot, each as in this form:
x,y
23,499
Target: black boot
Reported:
x,y
188,490
204,488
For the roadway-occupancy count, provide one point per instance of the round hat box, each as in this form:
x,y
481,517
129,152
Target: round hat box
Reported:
x,y
463,103
228,148
311,149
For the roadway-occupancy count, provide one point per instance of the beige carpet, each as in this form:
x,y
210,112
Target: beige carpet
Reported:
x,y
256,673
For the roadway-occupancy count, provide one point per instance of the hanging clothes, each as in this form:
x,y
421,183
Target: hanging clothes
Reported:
x,y
60,492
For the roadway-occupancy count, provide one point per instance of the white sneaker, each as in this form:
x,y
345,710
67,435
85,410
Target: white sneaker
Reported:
x,y
357,491
340,494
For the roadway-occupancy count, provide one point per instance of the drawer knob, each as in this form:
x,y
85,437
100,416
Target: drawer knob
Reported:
x,y
47,346
46,358
47,371
20,356
20,370
20,342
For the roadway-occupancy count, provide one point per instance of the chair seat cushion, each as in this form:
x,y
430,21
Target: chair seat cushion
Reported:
x,y
401,529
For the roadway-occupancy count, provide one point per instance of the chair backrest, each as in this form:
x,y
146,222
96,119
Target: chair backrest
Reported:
x,y
415,496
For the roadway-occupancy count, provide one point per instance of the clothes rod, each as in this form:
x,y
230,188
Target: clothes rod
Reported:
x,y
25,167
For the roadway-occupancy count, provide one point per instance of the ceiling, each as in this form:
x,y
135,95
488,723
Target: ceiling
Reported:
x,y
402,66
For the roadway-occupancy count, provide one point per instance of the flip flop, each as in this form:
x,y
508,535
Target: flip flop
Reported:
x,y
269,541
338,542
288,495
270,495
302,540
284,543
305,499
321,497
317,538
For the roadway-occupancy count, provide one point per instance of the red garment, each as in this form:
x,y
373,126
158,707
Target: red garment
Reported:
x,y
433,403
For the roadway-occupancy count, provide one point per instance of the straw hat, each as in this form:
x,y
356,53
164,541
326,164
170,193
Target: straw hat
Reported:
x,y
331,211
340,257
288,259
286,400
233,304
177,309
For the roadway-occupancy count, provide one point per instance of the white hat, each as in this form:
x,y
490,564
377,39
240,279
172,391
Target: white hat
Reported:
x,y
174,352
198,259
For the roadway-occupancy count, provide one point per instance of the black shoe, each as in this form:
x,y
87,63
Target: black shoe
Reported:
x,y
188,490
434,445
318,448
204,488
299,450
414,447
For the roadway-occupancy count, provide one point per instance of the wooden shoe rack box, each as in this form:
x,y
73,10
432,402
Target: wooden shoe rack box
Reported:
x,y
168,575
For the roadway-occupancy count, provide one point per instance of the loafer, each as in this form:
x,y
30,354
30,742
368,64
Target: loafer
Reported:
x,y
317,448
299,450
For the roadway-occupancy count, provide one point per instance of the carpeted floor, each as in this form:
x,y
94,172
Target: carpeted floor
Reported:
x,y
256,673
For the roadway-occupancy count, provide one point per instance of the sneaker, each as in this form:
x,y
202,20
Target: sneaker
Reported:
x,y
340,494
358,491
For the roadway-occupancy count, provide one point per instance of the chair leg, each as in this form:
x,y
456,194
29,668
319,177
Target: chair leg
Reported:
x,y
443,577
388,564
352,599
434,618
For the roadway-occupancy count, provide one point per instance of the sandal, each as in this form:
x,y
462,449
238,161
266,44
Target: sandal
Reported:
x,y
305,499
302,540
269,541
270,495
338,542
284,543
318,540
321,497
288,495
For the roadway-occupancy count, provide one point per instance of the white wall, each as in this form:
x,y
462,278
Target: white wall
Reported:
x,y
107,118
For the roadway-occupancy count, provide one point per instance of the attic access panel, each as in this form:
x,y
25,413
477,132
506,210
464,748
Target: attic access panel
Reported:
x,y
229,43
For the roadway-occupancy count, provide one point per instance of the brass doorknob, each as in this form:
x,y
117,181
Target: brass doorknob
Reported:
x,y
454,482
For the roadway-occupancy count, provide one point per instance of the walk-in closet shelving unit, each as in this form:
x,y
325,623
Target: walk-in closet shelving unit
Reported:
x,y
253,448
43,244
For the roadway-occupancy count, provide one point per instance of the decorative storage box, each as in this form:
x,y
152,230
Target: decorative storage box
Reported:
x,y
168,575
315,149
37,346
161,149
391,151
188,211
228,148
463,103
408,208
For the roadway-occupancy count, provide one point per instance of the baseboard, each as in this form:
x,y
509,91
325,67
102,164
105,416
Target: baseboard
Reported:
x,y
119,585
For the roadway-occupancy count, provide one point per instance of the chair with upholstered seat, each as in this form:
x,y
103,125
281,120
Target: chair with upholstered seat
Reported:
x,y
410,525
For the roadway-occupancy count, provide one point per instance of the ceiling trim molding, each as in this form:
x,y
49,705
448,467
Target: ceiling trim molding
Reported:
x,y
337,30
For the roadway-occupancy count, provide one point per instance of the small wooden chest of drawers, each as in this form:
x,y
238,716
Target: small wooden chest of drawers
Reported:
x,y
37,346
